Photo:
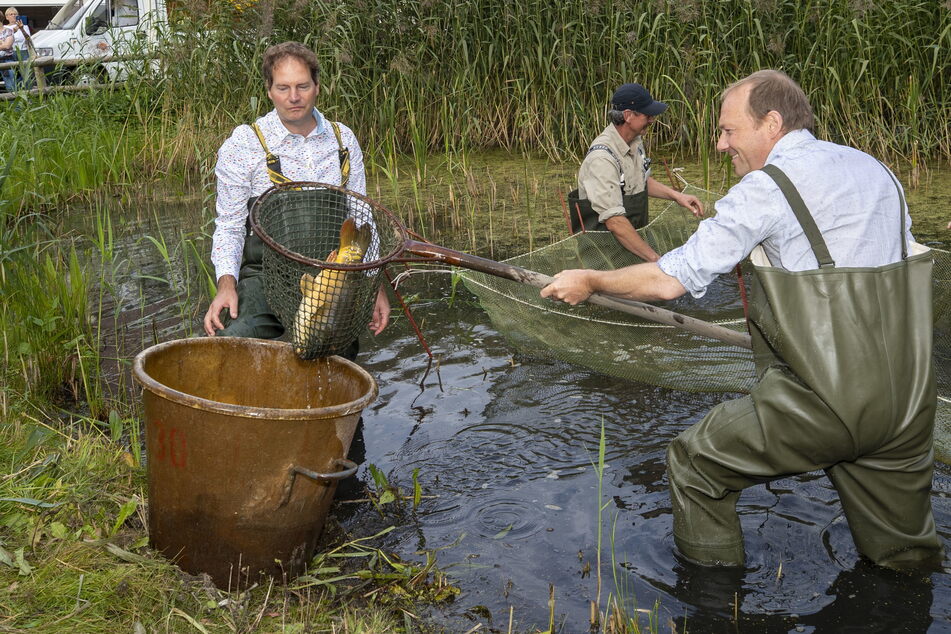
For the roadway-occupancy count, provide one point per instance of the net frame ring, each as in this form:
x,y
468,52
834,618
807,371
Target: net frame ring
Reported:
x,y
376,208
298,224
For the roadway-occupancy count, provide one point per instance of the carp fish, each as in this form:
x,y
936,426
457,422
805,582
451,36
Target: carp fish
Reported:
x,y
328,297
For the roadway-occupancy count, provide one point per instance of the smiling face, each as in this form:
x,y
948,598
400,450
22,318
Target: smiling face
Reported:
x,y
11,16
294,93
745,139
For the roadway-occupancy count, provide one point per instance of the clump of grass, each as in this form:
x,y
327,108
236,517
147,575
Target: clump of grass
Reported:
x,y
47,344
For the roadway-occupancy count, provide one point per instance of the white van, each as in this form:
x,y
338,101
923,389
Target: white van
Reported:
x,y
100,28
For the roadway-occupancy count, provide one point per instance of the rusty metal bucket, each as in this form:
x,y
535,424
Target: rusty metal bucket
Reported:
x,y
245,445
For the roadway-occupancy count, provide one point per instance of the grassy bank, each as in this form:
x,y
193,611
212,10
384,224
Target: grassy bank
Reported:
x,y
73,556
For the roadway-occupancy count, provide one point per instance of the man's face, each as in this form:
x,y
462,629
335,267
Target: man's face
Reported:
x,y
746,140
294,94
638,122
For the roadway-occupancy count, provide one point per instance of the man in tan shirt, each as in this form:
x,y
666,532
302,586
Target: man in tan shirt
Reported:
x,y
614,180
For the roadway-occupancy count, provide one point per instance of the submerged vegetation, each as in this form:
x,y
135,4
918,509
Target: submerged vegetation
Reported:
x,y
413,78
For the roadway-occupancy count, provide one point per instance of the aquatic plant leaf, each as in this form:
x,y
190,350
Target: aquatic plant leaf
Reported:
x,y
198,626
125,511
378,476
124,554
502,533
36,438
417,489
6,557
32,502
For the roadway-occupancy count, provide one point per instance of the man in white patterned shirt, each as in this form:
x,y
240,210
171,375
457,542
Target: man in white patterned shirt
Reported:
x,y
308,149
841,323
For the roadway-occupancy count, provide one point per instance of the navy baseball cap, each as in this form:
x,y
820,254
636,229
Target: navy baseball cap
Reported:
x,y
635,97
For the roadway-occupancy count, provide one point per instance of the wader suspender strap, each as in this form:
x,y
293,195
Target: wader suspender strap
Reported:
x,y
343,152
274,163
617,161
901,213
802,215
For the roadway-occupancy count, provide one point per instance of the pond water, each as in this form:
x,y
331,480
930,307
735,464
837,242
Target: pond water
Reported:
x,y
506,444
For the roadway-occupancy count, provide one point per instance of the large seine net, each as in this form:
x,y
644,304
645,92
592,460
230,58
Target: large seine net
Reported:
x,y
631,348
301,224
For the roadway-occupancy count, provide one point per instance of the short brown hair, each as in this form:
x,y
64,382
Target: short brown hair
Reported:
x,y
775,90
279,52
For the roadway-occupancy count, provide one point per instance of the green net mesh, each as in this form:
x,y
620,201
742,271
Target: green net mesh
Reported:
x,y
613,343
325,248
631,348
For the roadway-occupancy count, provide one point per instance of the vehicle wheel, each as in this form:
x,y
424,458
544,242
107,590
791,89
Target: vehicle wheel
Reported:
x,y
86,78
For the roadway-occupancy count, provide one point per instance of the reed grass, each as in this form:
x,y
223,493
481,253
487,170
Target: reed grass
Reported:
x,y
417,77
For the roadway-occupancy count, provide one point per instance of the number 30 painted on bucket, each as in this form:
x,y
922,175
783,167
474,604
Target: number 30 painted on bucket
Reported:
x,y
171,445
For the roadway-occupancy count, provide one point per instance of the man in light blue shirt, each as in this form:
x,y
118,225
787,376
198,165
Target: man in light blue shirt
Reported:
x,y
841,325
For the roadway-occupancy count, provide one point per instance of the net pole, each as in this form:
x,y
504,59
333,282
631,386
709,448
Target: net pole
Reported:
x,y
540,280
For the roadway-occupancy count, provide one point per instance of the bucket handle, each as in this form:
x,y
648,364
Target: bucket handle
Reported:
x,y
350,468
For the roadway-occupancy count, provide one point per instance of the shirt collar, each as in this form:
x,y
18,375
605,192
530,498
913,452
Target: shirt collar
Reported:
x,y
789,141
619,144
275,132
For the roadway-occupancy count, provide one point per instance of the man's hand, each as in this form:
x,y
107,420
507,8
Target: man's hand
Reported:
x,y
573,286
690,203
381,312
226,297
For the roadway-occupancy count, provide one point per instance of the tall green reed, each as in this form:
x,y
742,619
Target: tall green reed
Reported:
x,y
413,77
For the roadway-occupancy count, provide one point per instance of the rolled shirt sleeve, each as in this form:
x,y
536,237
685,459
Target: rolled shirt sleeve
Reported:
x,y
233,173
599,180
850,195
745,217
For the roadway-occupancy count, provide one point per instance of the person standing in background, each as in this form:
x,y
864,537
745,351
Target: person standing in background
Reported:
x,y
22,78
614,179
7,55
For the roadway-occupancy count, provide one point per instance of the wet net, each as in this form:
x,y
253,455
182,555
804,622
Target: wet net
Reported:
x,y
324,250
631,348
613,343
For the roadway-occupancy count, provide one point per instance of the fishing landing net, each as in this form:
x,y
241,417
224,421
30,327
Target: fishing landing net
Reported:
x,y
631,348
325,247
613,343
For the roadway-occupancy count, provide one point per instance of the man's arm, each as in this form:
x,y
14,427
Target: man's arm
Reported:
x,y
688,202
226,297
233,173
601,183
641,282
625,233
